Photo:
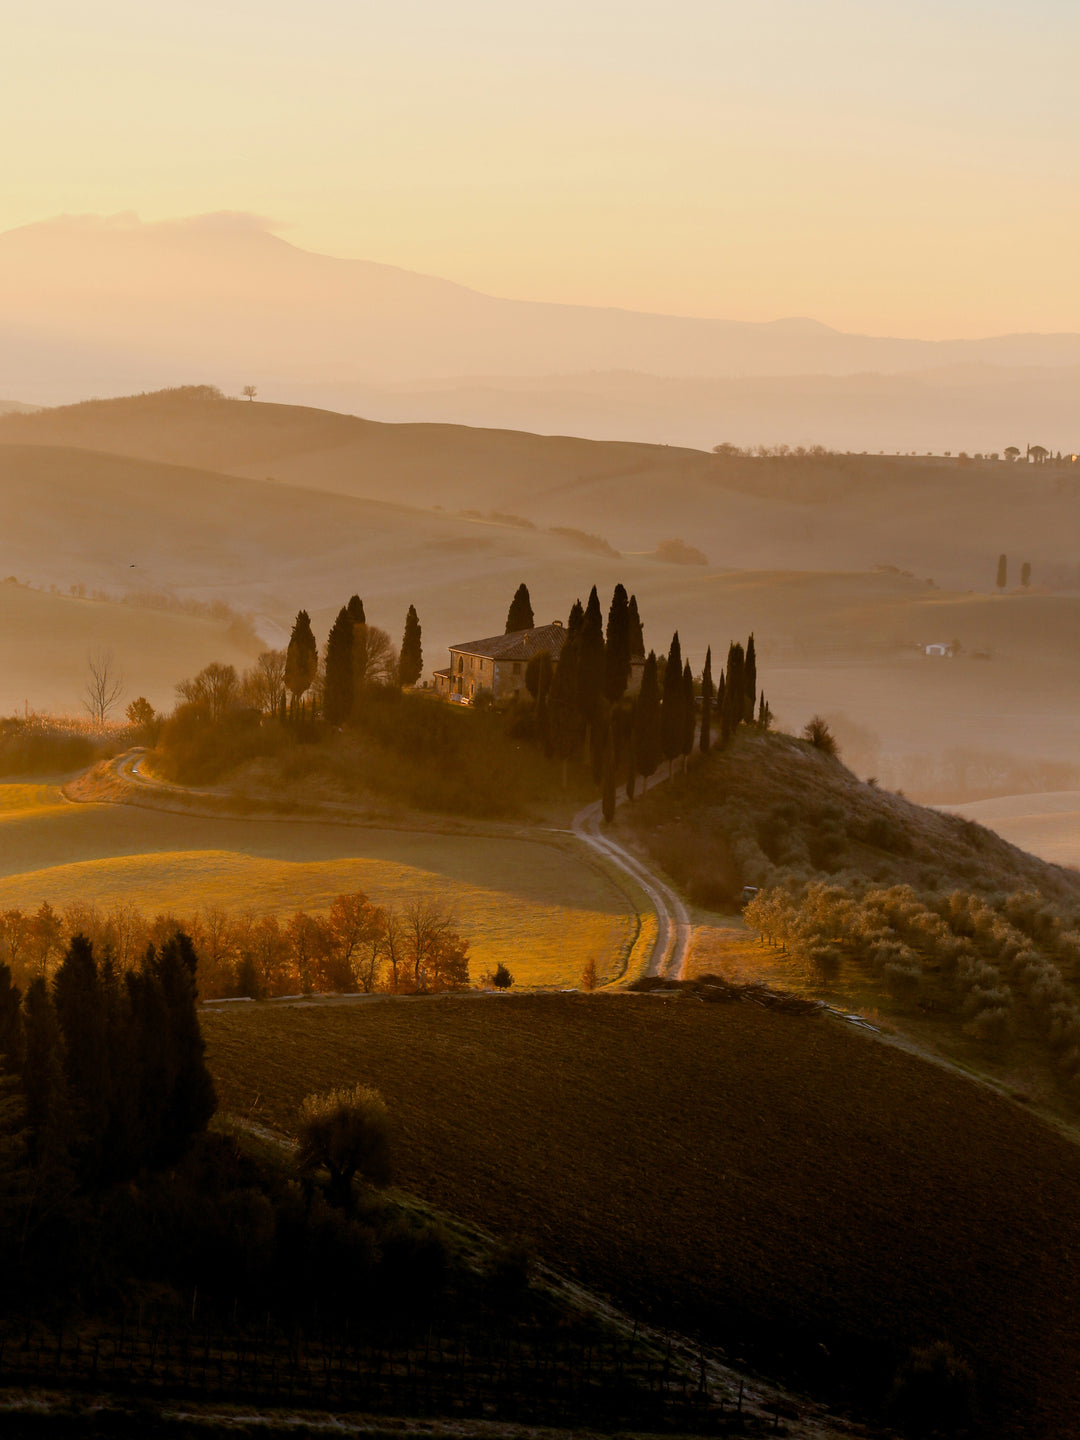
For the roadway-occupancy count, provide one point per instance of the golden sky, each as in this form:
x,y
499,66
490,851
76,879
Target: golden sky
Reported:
x,y
887,166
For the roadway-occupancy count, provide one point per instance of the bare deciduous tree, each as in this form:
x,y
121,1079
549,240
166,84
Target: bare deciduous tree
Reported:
x,y
250,392
264,682
104,687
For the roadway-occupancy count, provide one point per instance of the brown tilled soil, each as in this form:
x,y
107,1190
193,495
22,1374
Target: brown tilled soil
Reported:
x,y
809,1197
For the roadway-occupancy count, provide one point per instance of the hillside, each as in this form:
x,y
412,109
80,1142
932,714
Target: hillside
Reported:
x,y
785,810
832,512
45,640
813,1200
826,558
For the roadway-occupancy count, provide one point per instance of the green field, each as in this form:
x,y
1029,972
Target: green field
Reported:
x,y
816,1200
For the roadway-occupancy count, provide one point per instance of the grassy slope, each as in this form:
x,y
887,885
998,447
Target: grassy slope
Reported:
x,y
847,514
45,639
529,903
917,846
782,1183
685,830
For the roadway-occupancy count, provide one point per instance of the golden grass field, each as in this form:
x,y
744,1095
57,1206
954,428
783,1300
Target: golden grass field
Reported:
x,y
535,904
807,1195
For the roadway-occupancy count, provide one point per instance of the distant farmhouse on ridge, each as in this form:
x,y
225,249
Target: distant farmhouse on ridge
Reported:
x,y
497,665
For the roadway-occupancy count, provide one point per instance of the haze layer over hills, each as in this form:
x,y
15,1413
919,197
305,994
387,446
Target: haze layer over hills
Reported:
x,y
109,306
828,559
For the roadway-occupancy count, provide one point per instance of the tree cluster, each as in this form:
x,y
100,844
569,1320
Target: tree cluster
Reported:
x,y
106,1071
585,700
356,946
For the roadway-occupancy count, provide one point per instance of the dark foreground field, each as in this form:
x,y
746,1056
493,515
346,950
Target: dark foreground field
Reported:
x,y
805,1195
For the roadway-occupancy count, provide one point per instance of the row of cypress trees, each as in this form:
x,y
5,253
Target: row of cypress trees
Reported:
x,y
102,1074
349,646
584,698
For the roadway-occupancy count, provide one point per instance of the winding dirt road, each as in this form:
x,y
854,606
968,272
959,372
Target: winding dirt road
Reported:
x,y
673,928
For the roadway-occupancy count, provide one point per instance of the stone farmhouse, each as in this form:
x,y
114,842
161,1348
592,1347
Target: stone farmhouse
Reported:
x,y
496,665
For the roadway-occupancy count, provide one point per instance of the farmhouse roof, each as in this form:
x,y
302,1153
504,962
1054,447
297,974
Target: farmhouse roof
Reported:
x,y
518,644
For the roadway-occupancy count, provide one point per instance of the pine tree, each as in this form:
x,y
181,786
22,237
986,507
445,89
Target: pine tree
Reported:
x,y
411,660
635,631
705,740
648,737
749,681
338,670
520,614
301,657
688,712
355,610
672,714
1002,571
617,646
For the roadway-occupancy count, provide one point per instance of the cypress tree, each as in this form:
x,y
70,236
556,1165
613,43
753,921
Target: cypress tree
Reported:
x,y
705,740
734,706
80,1012
617,646
635,631
749,681
563,715
719,706
411,660
520,614
11,1022
338,670
672,714
193,1099
538,674
599,738
301,657
1002,571
355,610
608,782
43,1082
688,712
764,716
648,738
15,1178
576,619
591,664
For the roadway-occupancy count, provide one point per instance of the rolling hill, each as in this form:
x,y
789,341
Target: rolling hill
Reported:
x,y
106,305
173,492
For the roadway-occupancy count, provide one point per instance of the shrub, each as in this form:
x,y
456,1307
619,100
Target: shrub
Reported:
x,y
902,980
346,1132
933,1391
502,979
825,960
817,732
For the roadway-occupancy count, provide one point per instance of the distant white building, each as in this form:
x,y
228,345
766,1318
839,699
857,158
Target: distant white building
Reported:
x,y
939,650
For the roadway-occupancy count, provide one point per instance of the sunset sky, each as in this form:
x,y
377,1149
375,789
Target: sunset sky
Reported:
x,y
906,168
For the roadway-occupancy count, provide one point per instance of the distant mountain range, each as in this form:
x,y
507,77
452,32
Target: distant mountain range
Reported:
x,y
93,306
